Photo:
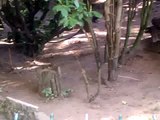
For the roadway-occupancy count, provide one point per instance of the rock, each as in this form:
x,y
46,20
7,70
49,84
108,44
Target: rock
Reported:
x,y
9,106
124,102
2,99
25,110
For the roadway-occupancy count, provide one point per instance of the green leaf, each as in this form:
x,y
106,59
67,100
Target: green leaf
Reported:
x,y
47,92
86,14
60,1
64,12
80,16
61,8
64,22
57,8
72,22
76,3
96,14
81,24
71,6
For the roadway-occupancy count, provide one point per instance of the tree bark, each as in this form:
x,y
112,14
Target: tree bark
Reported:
x,y
131,15
113,12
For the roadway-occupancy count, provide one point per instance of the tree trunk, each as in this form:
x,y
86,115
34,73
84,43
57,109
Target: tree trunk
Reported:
x,y
145,14
131,15
113,12
112,70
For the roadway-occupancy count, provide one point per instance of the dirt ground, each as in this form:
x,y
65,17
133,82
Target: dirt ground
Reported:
x,y
136,92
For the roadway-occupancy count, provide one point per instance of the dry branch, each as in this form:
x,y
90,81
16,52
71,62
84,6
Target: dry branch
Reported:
x,y
86,81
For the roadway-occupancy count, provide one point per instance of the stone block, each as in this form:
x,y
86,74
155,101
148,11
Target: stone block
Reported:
x,y
25,110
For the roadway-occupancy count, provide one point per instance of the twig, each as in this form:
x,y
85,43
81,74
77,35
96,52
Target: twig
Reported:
x,y
85,77
99,86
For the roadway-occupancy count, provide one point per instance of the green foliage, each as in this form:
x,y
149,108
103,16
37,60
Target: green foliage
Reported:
x,y
96,14
47,92
2,106
31,28
73,12
30,32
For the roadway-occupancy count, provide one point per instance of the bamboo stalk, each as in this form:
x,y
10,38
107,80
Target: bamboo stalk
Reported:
x,y
59,80
51,85
56,84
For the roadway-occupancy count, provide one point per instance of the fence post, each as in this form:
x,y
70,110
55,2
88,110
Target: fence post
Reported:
x,y
15,116
120,117
154,117
52,116
86,116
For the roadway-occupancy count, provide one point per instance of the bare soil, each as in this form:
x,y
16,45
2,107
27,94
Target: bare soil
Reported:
x,y
136,92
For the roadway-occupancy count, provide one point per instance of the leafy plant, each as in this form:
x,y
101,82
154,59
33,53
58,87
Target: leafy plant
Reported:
x,y
29,29
73,12
47,92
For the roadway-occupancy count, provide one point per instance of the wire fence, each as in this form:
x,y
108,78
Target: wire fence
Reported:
x,y
86,117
